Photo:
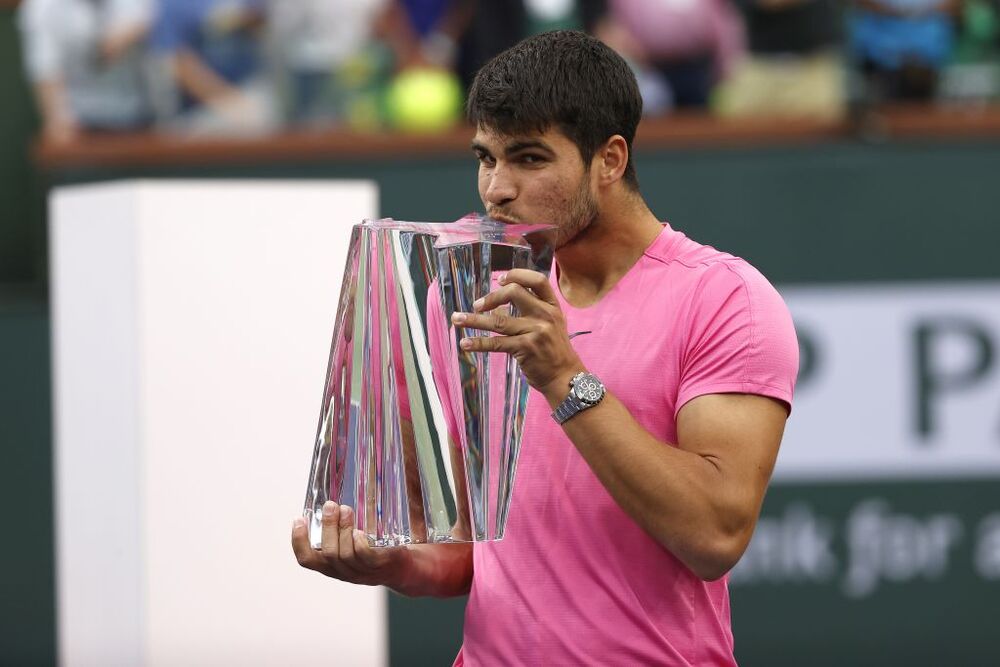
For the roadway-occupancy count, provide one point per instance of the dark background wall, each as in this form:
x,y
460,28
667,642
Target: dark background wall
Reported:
x,y
20,242
825,212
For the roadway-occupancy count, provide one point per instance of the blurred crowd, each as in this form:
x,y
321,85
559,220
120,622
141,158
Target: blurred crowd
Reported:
x,y
252,67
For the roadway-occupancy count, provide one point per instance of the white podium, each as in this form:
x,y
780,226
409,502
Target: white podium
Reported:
x,y
191,327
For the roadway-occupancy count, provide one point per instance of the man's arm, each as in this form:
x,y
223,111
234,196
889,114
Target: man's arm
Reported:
x,y
437,570
701,499
59,125
197,80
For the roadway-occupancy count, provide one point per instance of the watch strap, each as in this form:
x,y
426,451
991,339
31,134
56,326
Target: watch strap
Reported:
x,y
569,407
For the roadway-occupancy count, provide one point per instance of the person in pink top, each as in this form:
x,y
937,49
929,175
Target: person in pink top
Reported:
x,y
662,373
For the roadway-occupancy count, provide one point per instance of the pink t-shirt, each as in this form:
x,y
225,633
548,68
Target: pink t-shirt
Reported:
x,y
575,580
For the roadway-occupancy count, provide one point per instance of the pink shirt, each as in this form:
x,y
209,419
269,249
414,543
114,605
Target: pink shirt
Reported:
x,y
575,580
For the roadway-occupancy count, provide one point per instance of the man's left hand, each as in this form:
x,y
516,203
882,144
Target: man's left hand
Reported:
x,y
536,337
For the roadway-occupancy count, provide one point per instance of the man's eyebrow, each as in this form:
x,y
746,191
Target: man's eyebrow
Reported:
x,y
526,144
515,146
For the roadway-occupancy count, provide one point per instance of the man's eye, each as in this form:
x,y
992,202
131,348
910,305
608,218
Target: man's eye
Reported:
x,y
531,159
485,159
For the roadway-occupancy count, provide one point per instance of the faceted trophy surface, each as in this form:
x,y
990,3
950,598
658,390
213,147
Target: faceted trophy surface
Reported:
x,y
420,437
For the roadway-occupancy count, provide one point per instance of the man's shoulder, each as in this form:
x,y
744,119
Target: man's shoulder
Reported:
x,y
706,278
699,262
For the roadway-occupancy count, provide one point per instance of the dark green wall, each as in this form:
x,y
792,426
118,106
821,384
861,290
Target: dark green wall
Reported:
x,y
841,211
27,607
845,211
21,232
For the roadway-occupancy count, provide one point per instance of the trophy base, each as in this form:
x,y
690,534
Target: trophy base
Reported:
x,y
314,521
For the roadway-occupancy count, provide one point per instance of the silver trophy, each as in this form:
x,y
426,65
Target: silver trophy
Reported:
x,y
420,437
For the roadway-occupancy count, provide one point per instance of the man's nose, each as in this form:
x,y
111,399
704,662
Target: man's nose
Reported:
x,y
501,187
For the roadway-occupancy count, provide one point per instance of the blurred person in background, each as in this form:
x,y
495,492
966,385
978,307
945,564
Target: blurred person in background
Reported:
x,y
973,75
85,61
438,46
424,93
425,33
369,63
324,51
212,53
901,46
497,25
793,67
689,44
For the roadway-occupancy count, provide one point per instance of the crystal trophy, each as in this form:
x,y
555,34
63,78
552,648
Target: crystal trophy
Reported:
x,y
420,437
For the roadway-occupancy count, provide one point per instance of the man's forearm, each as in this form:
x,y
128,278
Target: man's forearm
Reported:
x,y
436,570
197,80
700,508
52,102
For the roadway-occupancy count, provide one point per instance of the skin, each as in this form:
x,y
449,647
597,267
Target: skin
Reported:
x,y
59,126
699,498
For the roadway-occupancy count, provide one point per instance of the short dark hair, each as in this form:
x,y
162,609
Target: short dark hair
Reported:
x,y
566,78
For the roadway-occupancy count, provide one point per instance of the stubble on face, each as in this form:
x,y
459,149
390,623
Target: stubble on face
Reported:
x,y
578,214
568,215
560,195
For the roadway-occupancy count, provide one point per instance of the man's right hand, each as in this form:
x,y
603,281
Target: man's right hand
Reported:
x,y
345,554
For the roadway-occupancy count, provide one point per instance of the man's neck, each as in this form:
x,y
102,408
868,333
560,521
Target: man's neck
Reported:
x,y
594,261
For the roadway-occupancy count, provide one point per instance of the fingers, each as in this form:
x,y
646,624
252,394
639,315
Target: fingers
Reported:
x,y
526,302
345,553
534,281
346,539
507,344
304,553
499,321
330,541
336,555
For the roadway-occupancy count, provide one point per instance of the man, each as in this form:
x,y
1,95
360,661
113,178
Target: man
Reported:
x,y
631,504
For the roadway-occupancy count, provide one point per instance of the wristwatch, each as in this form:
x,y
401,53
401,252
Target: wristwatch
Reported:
x,y
586,391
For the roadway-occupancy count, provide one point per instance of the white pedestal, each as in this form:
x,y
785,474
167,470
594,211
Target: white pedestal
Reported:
x,y
191,327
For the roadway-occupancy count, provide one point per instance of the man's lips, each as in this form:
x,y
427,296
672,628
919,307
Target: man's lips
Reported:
x,y
499,217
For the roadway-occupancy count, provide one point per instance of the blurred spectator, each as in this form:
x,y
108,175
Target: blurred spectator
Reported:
x,y
213,53
691,44
902,45
425,33
499,24
325,57
793,67
84,59
978,31
974,72
424,94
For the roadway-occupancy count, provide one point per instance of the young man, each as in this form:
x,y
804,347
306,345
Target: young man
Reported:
x,y
633,499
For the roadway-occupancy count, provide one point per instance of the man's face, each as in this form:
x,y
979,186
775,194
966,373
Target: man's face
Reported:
x,y
536,178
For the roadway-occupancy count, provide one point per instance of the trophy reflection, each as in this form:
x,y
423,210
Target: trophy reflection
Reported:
x,y
420,437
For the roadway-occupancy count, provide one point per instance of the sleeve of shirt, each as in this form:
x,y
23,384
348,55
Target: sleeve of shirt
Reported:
x,y
41,45
173,28
124,14
741,338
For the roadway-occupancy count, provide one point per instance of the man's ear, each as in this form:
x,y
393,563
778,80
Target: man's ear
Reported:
x,y
611,159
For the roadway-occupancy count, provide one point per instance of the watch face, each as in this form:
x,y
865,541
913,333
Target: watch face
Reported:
x,y
589,389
